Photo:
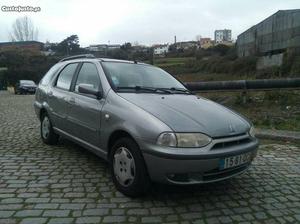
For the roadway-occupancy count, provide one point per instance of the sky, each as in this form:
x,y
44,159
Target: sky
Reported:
x,y
144,21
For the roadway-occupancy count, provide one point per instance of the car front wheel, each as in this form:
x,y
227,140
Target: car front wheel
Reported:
x,y
128,169
47,133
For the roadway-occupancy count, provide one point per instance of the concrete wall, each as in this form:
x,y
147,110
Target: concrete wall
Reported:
x,y
268,61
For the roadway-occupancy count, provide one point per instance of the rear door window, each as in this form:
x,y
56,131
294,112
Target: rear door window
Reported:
x,y
48,76
65,77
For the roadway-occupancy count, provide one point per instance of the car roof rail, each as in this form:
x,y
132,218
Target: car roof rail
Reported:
x,y
77,57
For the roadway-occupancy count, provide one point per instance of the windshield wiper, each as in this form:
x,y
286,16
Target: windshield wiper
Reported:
x,y
181,90
152,89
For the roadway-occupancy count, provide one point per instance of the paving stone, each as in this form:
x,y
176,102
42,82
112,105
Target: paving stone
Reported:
x,y
12,201
83,220
72,206
161,211
260,215
96,212
114,219
6,214
56,213
154,219
33,220
46,206
28,213
60,220
37,200
138,211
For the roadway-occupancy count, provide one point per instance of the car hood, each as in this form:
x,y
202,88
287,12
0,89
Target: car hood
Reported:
x,y
190,113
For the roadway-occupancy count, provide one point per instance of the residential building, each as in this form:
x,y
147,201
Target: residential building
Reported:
x,y
140,48
222,36
103,47
26,45
206,42
161,49
185,45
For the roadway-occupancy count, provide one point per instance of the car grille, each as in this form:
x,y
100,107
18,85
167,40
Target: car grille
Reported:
x,y
209,176
219,174
225,144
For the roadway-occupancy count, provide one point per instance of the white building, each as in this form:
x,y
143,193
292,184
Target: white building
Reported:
x,y
103,47
222,36
161,49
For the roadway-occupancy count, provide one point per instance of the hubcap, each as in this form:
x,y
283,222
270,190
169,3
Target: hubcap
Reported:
x,y
45,127
124,166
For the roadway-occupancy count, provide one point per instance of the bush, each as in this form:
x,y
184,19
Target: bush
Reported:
x,y
216,64
295,68
23,64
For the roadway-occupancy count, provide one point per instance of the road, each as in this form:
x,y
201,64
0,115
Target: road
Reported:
x,y
67,184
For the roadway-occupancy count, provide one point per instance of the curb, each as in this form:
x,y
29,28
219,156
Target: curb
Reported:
x,y
278,134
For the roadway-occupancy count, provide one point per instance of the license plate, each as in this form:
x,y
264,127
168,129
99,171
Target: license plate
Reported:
x,y
235,160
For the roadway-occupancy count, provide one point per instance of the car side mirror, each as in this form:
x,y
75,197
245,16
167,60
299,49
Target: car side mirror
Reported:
x,y
87,89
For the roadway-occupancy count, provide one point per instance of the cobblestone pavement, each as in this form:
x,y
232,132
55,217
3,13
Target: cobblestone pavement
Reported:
x,y
67,184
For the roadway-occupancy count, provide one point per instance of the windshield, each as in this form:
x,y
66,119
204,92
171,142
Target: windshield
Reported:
x,y
27,82
126,76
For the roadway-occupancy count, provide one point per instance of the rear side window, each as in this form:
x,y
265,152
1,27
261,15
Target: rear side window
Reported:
x,y
88,76
65,77
48,76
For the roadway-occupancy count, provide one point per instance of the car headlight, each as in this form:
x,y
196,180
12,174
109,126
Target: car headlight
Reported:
x,y
183,140
252,132
167,139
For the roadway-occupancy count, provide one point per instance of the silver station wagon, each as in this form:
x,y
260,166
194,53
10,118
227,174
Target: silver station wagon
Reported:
x,y
144,122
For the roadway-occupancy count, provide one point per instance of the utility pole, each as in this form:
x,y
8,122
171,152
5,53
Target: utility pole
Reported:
x,y
68,45
151,55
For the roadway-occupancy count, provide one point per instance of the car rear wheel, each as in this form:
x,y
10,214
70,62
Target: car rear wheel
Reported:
x,y
47,133
128,169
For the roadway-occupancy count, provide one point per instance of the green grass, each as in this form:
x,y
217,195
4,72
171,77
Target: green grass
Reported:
x,y
162,62
277,109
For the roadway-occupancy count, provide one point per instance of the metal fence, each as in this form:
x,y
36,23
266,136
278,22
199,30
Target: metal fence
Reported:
x,y
244,85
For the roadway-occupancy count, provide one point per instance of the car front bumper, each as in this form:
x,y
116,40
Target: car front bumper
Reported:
x,y
186,166
28,90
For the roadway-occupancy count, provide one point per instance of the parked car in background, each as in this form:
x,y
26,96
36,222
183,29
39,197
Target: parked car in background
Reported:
x,y
25,87
144,122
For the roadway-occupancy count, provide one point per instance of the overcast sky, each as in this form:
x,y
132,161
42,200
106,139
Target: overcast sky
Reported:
x,y
145,21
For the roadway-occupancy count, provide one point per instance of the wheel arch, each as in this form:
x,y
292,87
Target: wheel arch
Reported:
x,y
117,134
42,112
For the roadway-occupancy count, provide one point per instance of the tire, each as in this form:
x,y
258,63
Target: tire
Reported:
x,y
47,133
125,158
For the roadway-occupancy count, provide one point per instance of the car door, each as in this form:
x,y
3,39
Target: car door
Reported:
x,y
59,95
84,113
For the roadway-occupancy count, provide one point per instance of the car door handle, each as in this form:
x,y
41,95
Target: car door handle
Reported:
x,y
72,100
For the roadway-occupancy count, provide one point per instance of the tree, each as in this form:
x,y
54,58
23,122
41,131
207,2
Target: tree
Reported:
x,y
23,30
70,45
24,64
127,46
